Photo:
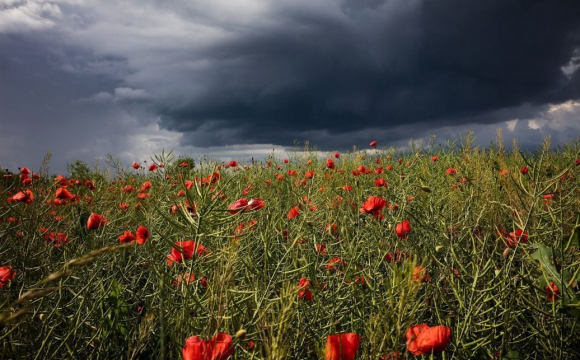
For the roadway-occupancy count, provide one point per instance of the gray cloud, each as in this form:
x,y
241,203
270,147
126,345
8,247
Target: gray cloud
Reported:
x,y
133,77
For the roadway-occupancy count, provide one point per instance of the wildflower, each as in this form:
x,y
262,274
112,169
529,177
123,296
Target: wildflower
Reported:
x,y
152,167
22,196
126,237
96,221
64,194
552,291
146,186
373,205
184,250
142,235
525,170
450,171
304,293
380,182
247,190
342,346
420,274
136,165
220,347
373,143
294,212
422,339
434,158
238,206
255,204
7,274
403,229
517,236
330,164
337,155
548,198
187,278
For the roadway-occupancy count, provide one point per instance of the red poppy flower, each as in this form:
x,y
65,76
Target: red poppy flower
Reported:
x,y
233,163
294,212
136,165
552,291
96,221
64,194
184,250
434,158
577,162
380,182
403,229
347,187
334,262
450,171
309,174
61,180
420,274
373,143
342,346
373,205
152,167
330,164
142,235
304,293
220,347
548,198
517,236
126,237
286,161
22,196
422,339
187,278
525,170
255,204
184,164
337,155
238,206
7,274
146,186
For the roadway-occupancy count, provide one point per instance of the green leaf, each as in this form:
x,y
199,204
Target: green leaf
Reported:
x,y
545,256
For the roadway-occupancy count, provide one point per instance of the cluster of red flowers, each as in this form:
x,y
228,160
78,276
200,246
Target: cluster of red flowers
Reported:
x,y
142,235
56,238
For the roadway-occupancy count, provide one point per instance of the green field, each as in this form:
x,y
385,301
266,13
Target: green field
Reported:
x,y
482,241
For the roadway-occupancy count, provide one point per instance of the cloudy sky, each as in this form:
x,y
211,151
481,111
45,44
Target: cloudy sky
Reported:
x,y
238,78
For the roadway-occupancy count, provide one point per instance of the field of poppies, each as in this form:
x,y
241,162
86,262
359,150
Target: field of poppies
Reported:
x,y
440,252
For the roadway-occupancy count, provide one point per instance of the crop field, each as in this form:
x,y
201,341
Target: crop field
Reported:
x,y
439,252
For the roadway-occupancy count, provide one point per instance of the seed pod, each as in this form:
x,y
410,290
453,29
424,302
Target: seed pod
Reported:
x,y
507,252
241,334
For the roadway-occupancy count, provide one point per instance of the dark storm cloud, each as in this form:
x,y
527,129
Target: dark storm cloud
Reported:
x,y
379,65
83,78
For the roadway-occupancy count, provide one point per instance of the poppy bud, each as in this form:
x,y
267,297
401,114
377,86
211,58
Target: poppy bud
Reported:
x,y
241,334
